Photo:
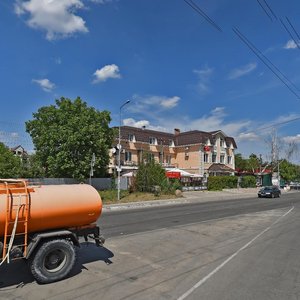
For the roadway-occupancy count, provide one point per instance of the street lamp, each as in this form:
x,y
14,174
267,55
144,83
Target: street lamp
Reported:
x,y
119,149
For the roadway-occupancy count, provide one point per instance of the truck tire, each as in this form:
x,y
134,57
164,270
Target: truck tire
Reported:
x,y
53,260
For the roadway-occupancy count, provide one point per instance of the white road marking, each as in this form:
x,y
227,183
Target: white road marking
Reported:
x,y
203,280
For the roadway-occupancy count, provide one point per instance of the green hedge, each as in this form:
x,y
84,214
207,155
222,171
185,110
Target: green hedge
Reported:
x,y
248,181
217,183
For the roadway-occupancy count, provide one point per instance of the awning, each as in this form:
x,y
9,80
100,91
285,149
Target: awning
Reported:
x,y
129,174
181,172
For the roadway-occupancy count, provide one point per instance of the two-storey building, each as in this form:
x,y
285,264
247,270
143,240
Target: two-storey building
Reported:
x,y
197,152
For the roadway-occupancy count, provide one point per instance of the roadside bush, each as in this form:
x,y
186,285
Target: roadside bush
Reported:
x,y
248,181
214,183
150,174
151,177
231,182
169,186
217,183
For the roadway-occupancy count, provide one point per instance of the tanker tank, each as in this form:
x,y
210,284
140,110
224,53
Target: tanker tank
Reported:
x,y
53,207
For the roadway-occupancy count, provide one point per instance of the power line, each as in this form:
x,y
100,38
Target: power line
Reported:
x,y
264,10
281,21
261,57
193,5
293,28
273,125
278,124
290,34
270,9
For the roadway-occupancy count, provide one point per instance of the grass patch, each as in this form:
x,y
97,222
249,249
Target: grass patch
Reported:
x,y
111,196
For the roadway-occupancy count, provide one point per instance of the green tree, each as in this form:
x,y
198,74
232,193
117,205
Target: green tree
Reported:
x,y
288,171
247,164
32,168
252,163
67,134
150,174
240,162
10,165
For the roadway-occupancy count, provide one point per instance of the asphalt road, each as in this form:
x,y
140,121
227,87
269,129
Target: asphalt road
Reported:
x,y
139,220
233,249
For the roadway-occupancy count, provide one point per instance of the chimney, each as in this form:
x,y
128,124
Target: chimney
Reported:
x,y
176,131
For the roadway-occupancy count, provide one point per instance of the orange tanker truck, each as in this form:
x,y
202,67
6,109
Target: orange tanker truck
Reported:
x,y
43,225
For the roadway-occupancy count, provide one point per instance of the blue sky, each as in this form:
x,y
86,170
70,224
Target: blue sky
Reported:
x,y
178,70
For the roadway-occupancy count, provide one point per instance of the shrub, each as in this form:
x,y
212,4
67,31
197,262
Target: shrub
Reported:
x,y
248,181
150,174
151,177
217,183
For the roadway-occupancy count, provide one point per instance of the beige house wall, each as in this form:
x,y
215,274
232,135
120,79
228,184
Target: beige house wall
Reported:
x,y
188,158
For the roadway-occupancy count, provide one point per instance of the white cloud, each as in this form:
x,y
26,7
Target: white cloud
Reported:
x,y
108,71
56,17
218,111
8,135
249,136
204,76
292,139
153,103
58,60
45,84
214,120
134,123
170,102
242,71
142,123
290,45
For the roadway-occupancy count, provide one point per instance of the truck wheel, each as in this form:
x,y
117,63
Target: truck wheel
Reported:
x,y
53,261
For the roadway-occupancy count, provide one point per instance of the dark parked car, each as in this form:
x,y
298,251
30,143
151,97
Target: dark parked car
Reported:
x,y
269,191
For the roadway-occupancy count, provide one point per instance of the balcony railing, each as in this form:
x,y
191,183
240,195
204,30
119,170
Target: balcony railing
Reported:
x,y
128,163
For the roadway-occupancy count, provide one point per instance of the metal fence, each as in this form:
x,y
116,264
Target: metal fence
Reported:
x,y
97,183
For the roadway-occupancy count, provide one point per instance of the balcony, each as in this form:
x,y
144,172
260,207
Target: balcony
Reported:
x,y
167,165
128,163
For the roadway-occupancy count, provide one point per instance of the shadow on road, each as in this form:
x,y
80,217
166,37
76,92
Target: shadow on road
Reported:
x,y
17,273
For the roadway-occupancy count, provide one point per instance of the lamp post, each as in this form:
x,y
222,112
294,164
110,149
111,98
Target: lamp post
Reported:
x,y
119,149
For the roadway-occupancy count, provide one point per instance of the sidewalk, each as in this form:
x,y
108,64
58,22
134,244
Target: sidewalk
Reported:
x,y
188,197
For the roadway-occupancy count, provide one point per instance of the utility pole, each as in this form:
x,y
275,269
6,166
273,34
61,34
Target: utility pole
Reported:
x,y
119,149
92,167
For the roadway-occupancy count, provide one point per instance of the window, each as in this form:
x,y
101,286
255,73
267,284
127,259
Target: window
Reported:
x,y
150,156
128,156
171,143
152,141
214,158
222,143
229,160
222,159
206,158
131,137
168,159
